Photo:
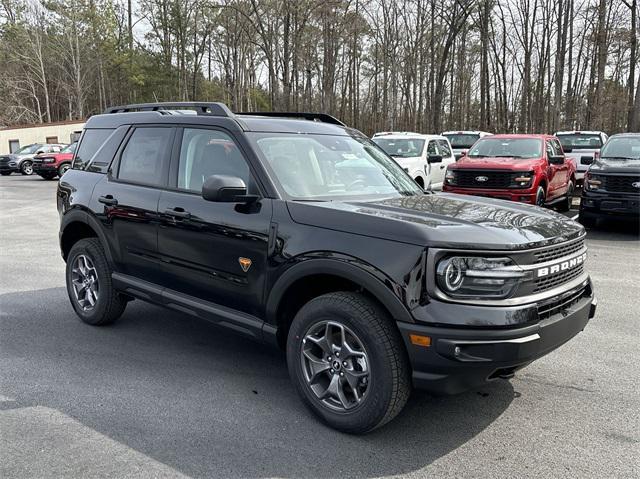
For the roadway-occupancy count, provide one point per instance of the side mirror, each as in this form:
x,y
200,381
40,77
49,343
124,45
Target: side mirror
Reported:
x,y
224,189
556,160
39,152
586,160
434,159
567,149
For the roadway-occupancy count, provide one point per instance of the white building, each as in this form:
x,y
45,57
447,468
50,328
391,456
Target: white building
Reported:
x,y
13,138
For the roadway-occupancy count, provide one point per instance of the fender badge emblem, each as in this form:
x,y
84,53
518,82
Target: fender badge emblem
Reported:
x,y
245,263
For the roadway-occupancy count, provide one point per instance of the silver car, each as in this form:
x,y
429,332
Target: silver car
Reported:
x,y
21,161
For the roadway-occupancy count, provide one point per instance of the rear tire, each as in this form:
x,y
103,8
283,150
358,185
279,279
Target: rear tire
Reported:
x,y
26,168
347,340
89,285
566,203
541,197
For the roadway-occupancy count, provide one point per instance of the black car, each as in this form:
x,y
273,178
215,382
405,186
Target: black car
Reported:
x,y
612,183
293,229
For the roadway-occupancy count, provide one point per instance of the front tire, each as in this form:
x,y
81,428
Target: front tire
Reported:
x,y
5,173
26,168
63,169
89,285
587,221
348,363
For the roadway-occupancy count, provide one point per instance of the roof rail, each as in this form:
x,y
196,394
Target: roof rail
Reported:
x,y
201,108
321,117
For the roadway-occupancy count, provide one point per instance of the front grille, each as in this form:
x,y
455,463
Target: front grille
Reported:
x,y
553,280
562,303
622,184
494,179
556,252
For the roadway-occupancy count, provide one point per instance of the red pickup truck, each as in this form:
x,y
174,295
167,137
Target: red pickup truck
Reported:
x,y
50,165
525,168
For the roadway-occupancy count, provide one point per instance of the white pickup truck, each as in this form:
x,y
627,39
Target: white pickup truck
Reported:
x,y
424,157
461,141
582,147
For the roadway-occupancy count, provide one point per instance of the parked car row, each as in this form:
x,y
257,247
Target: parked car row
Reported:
x,y
44,159
541,170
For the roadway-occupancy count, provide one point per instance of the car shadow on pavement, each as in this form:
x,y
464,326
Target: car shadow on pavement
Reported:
x,y
611,230
206,402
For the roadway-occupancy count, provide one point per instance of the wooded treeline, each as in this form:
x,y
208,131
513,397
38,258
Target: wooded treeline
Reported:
x,y
421,65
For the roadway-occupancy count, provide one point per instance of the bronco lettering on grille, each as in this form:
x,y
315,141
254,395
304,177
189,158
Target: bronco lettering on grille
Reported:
x,y
561,266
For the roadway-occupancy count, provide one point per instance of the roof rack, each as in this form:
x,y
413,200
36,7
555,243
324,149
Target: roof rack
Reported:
x,y
213,109
321,117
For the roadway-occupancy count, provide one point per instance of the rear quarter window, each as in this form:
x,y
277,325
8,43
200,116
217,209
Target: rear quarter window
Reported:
x,y
90,143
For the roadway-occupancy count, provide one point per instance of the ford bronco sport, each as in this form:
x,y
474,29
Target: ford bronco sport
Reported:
x,y
296,230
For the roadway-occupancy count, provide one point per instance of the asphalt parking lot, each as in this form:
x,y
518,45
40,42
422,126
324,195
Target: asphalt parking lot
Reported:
x,y
160,394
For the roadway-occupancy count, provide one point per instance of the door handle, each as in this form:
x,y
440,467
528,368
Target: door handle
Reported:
x,y
442,167
177,212
108,200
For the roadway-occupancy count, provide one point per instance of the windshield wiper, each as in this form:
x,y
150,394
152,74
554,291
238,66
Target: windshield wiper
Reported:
x,y
620,157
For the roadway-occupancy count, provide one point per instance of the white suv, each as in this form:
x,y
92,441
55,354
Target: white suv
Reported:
x,y
463,140
424,157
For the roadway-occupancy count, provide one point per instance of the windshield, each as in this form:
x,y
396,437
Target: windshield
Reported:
x,y
403,148
69,148
622,147
27,150
580,141
462,140
326,167
507,147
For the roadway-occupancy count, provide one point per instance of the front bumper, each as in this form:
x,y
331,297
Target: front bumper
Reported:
x,y
519,195
600,204
44,168
12,167
463,358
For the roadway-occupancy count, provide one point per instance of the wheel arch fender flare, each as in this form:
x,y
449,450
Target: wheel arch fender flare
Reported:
x,y
78,215
372,281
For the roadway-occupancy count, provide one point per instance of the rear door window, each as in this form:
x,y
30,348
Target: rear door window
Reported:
x,y
144,158
433,149
445,151
90,143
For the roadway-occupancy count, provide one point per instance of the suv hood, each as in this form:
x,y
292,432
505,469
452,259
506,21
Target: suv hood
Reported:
x,y
442,220
498,163
610,165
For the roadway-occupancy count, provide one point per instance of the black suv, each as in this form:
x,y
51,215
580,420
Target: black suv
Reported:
x,y
294,229
612,183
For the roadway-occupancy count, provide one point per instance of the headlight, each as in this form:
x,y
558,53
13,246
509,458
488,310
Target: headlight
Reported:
x,y
450,177
477,277
592,182
521,179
